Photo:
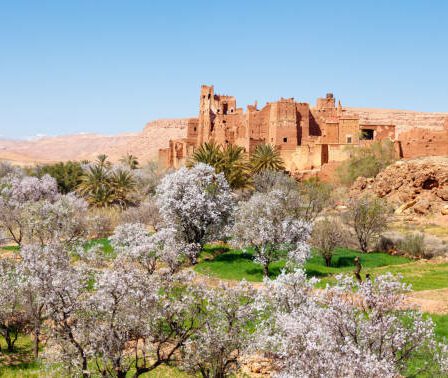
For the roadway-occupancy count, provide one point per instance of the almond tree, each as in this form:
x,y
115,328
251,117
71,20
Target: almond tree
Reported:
x,y
13,318
16,193
52,288
197,203
32,210
368,217
134,243
216,348
349,330
264,224
328,234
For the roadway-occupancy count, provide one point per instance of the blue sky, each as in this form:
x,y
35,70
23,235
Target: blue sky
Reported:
x,y
109,66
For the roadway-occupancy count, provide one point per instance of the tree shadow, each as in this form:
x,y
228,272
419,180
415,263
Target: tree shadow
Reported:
x,y
343,261
233,256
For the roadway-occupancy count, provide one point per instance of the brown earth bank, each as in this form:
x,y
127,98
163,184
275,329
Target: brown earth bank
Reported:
x,y
145,145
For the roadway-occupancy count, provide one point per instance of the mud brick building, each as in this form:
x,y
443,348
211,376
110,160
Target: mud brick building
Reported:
x,y
307,137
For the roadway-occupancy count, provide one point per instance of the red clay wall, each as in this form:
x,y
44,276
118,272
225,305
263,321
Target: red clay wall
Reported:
x,y
422,142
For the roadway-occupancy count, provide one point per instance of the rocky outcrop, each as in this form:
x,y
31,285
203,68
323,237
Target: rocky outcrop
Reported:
x,y
417,186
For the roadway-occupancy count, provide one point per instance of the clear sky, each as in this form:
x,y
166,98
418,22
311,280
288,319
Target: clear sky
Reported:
x,y
109,66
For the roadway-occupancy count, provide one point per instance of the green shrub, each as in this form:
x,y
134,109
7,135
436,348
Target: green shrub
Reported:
x,y
367,161
67,174
413,244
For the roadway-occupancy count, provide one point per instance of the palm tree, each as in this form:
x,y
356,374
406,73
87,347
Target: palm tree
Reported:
x,y
123,184
130,161
235,166
208,153
230,160
266,157
102,161
95,186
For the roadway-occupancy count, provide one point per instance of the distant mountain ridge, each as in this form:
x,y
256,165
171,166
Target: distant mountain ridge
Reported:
x,y
144,145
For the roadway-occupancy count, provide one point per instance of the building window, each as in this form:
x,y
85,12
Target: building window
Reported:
x,y
349,139
367,134
285,140
195,129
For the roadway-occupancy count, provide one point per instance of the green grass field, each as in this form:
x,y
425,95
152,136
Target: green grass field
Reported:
x,y
236,265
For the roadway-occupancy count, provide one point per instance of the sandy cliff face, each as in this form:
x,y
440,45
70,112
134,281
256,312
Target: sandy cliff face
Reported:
x,y
145,145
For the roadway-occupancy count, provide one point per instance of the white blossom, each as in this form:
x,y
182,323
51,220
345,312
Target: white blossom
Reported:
x,y
197,203
264,224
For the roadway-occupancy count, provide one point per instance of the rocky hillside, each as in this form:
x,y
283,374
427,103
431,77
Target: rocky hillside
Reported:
x,y
418,186
144,145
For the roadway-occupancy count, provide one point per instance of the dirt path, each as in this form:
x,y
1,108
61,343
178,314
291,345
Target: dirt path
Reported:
x,y
432,301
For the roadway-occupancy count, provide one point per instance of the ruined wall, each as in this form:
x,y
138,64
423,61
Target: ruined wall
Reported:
x,y
305,157
404,120
420,142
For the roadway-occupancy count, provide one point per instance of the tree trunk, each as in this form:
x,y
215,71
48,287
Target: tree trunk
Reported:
x,y
328,260
358,268
36,342
9,340
266,270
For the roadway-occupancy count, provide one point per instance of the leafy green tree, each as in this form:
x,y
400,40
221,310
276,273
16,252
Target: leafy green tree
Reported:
x,y
67,174
266,157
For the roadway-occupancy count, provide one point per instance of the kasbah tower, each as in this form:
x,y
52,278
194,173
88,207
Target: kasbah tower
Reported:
x,y
307,137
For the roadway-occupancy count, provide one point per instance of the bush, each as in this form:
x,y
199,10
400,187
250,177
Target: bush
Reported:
x,y
367,161
413,244
67,175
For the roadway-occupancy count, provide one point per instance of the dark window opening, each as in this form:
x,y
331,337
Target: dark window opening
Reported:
x,y
224,121
224,108
367,134
349,139
194,129
208,96
231,110
285,140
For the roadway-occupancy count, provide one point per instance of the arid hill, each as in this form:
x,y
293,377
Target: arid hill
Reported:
x,y
144,145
